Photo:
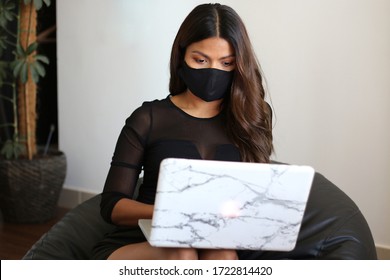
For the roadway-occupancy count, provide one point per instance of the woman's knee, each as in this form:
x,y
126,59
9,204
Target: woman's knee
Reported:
x,y
230,255
218,255
182,254
143,251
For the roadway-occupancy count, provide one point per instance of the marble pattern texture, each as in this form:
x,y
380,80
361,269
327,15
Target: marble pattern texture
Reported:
x,y
206,204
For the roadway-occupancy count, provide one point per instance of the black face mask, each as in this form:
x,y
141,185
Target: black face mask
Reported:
x,y
208,84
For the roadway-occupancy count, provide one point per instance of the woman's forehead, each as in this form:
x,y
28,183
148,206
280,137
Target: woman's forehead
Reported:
x,y
214,46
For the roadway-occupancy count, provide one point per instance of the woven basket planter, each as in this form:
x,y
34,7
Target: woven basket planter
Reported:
x,y
30,189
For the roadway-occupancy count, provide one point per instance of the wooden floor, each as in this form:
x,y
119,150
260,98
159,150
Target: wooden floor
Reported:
x,y
17,239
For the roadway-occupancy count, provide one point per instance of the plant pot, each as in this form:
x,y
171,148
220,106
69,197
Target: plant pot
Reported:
x,y
30,189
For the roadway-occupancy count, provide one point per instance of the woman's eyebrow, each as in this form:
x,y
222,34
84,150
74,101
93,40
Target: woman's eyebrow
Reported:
x,y
228,56
202,54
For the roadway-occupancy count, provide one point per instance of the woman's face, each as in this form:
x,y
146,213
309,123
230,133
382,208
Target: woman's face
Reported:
x,y
212,52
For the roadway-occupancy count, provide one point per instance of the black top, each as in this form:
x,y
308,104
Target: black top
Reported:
x,y
155,131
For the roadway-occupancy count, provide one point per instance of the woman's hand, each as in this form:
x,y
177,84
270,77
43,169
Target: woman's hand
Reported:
x,y
127,212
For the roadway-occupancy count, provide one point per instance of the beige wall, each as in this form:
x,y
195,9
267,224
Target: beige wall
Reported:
x,y
327,64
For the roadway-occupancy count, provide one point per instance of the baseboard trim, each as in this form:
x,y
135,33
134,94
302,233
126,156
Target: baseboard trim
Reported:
x,y
383,252
70,198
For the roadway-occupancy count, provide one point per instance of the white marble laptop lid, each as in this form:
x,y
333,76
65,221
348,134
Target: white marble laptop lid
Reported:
x,y
218,204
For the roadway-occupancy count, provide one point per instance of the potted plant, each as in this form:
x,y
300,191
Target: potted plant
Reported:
x,y
30,180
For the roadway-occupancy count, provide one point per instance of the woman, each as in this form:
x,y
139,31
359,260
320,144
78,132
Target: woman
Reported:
x,y
216,111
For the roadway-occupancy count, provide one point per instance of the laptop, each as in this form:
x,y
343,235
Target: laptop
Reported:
x,y
228,205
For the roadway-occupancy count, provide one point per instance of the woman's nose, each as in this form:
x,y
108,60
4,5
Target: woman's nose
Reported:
x,y
215,65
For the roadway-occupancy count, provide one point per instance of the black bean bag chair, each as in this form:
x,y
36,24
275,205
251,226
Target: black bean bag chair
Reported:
x,y
333,228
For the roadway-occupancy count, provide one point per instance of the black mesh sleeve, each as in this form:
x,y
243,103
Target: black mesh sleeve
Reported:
x,y
127,161
109,199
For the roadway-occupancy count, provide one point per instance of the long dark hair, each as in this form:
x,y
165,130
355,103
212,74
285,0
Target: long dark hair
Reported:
x,y
249,117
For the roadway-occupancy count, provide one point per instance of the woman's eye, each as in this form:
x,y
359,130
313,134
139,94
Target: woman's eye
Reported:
x,y
227,63
201,61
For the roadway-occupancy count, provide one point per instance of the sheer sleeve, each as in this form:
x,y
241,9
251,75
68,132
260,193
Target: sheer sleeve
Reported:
x,y
127,160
